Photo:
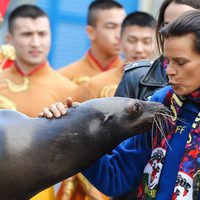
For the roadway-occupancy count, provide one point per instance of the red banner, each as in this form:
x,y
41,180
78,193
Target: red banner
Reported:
x,y
3,7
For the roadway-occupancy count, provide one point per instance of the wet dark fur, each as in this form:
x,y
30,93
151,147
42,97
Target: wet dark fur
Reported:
x,y
37,153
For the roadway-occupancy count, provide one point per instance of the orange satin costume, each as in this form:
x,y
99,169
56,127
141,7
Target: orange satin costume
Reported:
x,y
78,188
101,85
82,70
30,93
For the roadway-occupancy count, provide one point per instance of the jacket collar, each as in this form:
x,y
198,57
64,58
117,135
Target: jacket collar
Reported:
x,y
156,75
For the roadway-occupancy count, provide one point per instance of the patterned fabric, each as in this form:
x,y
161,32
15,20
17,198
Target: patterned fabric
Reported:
x,y
189,161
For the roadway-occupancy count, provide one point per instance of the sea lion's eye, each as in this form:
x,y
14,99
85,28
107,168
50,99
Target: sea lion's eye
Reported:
x,y
135,108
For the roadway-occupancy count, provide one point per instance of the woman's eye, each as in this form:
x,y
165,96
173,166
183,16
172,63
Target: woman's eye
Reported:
x,y
181,62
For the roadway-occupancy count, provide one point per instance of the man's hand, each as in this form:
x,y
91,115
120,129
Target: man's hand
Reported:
x,y
57,109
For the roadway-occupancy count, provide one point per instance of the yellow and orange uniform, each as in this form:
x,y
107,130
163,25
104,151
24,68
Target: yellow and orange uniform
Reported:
x,y
82,70
78,187
30,93
101,85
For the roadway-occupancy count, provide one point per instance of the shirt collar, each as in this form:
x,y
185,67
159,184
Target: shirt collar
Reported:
x,y
33,71
109,65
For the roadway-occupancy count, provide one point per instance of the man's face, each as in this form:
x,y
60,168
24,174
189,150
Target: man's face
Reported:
x,y
106,33
31,39
138,43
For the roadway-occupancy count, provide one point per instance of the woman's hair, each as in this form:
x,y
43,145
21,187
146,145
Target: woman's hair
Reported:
x,y
192,3
187,23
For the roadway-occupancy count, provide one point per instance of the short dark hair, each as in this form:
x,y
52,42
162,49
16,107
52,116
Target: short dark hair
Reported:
x,y
26,10
187,23
100,5
139,18
192,3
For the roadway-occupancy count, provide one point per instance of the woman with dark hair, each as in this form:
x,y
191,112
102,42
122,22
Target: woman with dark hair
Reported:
x,y
141,79
169,10
172,163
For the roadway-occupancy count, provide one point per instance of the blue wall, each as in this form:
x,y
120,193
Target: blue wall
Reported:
x,y
68,20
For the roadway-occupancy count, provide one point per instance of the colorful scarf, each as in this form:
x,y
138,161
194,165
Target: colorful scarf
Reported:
x,y
189,168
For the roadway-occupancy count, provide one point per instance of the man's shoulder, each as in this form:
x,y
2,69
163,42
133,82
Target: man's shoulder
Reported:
x,y
8,72
62,80
76,64
3,72
137,65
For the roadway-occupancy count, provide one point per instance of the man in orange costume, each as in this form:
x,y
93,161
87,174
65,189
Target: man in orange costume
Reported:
x,y
104,23
30,83
137,42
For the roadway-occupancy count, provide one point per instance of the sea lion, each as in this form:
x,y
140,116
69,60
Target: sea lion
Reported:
x,y
37,152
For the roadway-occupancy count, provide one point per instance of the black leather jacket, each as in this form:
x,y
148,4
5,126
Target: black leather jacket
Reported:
x,y
140,81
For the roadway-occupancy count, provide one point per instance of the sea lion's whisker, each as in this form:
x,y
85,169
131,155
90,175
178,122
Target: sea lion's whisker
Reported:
x,y
166,119
165,122
155,125
169,118
154,131
165,115
161,131
182,120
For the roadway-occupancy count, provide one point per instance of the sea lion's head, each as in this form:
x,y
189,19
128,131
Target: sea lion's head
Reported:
x,y
125,115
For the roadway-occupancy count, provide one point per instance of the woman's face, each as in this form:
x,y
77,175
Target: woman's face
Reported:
x,y
174,10
183,64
